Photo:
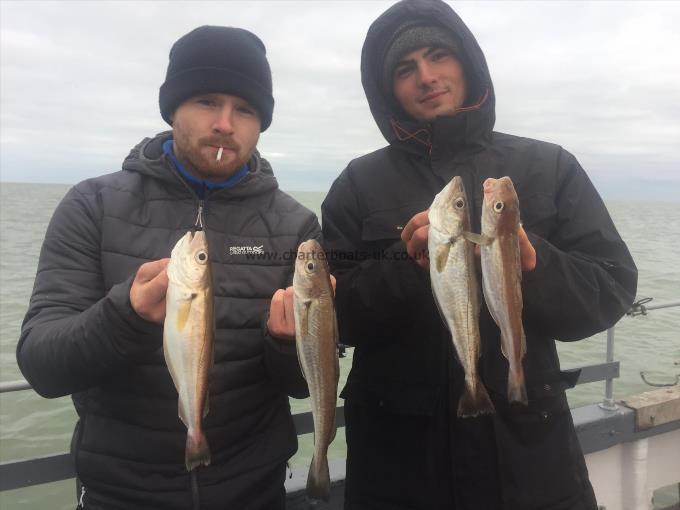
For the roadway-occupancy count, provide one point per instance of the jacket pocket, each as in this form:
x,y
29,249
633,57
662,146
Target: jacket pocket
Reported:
x,y
538,451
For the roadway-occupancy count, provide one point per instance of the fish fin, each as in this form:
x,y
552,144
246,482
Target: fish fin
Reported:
x,y
319,480
299,358
182,416
336,334
335,429
212,344
517,391
197,451
166,355
184,309
505,353
480,239
442,256
439,309
475,401
303,320
336,337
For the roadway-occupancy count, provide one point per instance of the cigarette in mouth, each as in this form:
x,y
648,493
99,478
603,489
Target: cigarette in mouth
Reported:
x,y
219,154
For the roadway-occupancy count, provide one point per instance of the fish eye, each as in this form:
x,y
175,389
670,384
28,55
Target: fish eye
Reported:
x,y
201,257
310,266
498,206
460,203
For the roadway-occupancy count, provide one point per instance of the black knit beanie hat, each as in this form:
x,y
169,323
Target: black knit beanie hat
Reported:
x,y
410,37
227,60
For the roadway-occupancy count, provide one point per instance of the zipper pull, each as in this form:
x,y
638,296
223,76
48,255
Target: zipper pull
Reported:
x,y
199,218
82,495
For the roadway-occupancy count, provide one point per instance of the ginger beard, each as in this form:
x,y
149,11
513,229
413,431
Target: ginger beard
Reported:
x,y
205,124
199,155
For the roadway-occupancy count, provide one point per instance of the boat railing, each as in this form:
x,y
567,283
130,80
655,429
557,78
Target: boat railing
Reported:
x,y
17,474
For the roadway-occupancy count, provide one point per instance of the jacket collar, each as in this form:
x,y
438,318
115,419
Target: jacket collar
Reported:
x,y
148,158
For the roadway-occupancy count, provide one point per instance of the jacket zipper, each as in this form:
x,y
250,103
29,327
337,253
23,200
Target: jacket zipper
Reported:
x,y
199,218
200,225
81,503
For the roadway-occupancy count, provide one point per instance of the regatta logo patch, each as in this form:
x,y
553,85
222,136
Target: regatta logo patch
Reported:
x,y
246,250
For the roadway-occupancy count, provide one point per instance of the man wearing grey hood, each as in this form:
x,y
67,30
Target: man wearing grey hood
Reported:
x,y
430,92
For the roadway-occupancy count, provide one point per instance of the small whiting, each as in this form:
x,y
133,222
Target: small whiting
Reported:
x,y
456,290
316,340
502,276
188,338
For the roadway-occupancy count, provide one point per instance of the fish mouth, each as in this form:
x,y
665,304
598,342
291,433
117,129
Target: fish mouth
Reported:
x,y
453,190
310,250
491,187
310,245
455,187
196,238
494,188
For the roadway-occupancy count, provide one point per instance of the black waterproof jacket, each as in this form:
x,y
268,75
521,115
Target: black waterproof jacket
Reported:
x,y
81,336
403,364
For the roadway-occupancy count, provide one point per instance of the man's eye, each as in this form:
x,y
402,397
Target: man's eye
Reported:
x,y
402,72
440,55
246,110
207,102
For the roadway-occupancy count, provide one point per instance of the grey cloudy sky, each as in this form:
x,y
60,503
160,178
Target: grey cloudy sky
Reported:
x,y
79,83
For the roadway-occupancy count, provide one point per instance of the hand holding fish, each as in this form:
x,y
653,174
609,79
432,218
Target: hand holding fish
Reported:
x,y
147,294
527,252
415,235
281,322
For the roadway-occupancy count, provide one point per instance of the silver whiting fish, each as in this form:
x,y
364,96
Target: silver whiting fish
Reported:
x,y
456,290
316,339
502,276
188,338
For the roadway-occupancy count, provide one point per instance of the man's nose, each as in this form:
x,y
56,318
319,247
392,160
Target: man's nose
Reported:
x,y
426,73
223,121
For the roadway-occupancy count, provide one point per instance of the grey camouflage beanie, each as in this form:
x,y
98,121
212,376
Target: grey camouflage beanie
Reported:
x,y
411,37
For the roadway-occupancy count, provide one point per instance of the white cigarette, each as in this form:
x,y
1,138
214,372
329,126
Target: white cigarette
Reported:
x,y
219,154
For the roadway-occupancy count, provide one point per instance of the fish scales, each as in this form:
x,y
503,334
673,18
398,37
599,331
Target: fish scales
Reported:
x,y
188,338
453,276
316,341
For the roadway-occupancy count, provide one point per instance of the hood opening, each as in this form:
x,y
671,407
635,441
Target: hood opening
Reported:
x,y
399,128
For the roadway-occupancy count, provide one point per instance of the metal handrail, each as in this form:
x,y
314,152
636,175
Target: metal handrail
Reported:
x,y
640,307
51,468
18,385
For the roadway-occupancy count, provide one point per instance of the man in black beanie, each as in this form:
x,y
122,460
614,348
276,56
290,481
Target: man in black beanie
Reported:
x,y
430,92
94,325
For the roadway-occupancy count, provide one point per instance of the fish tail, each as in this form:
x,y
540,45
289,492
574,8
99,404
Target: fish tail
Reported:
x,y
517,391
319,479
474,401
197,451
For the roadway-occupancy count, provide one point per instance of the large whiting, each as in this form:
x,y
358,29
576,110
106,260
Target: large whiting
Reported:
x,y
456,290
502,276
188,338
316,339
